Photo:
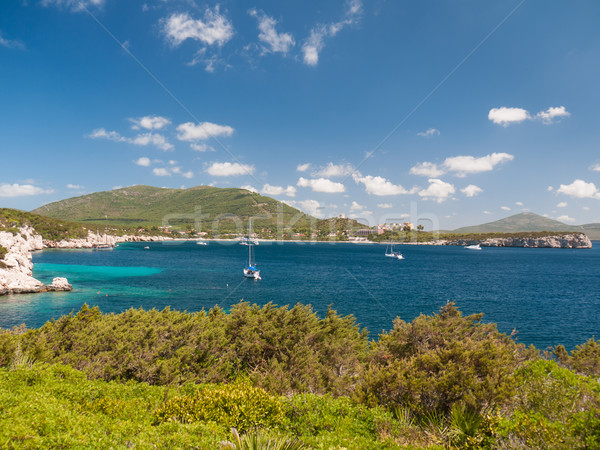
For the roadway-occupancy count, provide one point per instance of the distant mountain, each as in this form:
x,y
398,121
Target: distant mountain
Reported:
x,y
529,221
146,206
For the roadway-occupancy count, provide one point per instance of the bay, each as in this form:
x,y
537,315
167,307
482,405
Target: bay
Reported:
x,y
549,296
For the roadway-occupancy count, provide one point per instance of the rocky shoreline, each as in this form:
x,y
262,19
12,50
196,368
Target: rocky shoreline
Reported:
x,y
571,240
16,268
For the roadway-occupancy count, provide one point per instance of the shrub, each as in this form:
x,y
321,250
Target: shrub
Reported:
x,y
584,359
237,405
436,361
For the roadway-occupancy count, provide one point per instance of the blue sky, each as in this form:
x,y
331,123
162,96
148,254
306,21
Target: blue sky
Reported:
x,y
462,112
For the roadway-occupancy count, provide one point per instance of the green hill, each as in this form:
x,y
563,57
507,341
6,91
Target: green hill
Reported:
x,y
202,207
529,221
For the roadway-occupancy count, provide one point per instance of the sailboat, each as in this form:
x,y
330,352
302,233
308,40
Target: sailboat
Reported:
x,y
102,245
250,271
391,253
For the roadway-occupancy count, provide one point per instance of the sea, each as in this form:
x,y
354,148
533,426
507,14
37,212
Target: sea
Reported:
x,y
547,296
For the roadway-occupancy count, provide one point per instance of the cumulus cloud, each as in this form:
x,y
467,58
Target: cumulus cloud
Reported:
x,y
429,133
199,132
507,116
562,205
438,190
427,169
316,40
356,207
75,186
101,133
249,188
201,147
505,208
143,161
213,29
272,41
150,122
189,174
311,207
471,190
519,203
565,218
228,169
303,167
267,189
380,186
332,170
321,185
384,205
579,189
161,172
461,165
22,190
595,168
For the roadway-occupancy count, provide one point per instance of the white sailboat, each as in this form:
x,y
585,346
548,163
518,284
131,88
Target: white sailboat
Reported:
x,y
250,271
391,253
473,247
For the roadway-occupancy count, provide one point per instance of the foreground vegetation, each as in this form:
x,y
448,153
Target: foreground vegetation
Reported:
x,y
285,376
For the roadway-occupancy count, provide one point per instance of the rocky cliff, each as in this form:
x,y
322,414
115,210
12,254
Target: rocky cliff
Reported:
x,y
570,240
16,268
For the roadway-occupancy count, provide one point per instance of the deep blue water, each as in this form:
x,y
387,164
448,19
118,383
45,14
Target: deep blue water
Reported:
x,y
550,296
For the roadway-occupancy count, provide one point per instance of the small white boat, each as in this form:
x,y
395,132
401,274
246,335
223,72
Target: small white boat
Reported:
x,y
473,247
201,243
391,253
146,248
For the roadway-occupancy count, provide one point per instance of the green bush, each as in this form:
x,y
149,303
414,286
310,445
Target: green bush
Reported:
x,y
237,405
436,361
584,359
551,405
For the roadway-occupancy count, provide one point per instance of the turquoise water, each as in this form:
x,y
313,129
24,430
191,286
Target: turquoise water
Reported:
x,y
550,296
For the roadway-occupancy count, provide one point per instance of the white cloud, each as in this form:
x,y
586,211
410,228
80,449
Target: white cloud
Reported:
x,y
267,189
161,172
471,190
438,190
565,218
101,133
315,42
380,186
464,165
549,188
562,205
426,169
595,168
519,203
356,207
579,189
384,205
273,42
333,170
228,169
586,208
506,116
22,190
155,139
429,133
143,161
75,186
189,174
144,139
311,207
487,212
461,165
249,188
321,185
205,130
150,122
213,29
303,167
74,5
552,113
202,147
505,208
8,43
